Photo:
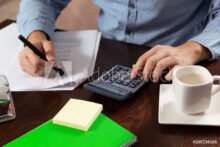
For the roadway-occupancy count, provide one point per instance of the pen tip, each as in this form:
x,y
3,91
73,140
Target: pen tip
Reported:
x,y
61,72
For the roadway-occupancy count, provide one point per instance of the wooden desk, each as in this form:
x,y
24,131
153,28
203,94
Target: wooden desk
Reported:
x,y
138,114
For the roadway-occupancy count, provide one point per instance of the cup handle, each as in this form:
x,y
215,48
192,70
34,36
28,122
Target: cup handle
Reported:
x,y
216,78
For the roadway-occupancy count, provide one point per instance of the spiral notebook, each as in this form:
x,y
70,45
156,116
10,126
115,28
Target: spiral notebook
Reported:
x,y
103,132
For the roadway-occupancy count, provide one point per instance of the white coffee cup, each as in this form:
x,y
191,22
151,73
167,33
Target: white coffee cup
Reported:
x,y
192,98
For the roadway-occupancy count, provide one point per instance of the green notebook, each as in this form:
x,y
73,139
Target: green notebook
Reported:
x,y
103,133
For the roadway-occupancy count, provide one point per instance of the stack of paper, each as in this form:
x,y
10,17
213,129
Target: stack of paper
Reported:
x,y
76,53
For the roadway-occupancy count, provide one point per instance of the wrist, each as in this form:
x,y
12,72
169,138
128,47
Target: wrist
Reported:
x,y
37,35
200,51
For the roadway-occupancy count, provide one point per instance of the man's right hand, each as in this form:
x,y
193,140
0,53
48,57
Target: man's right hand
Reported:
x,y
32,63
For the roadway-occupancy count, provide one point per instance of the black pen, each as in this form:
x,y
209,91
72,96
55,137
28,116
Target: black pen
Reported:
x,y
39,53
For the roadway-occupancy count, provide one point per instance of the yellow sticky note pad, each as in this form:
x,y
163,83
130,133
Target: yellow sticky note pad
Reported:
x,y
78,114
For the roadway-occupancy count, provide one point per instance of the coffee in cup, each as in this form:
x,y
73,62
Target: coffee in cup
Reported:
x,y
192,87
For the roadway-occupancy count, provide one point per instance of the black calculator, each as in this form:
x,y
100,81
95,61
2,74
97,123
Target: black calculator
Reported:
x,y
116,83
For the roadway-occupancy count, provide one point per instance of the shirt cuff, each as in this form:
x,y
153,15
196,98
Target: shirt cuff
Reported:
x,y
210,41
28,26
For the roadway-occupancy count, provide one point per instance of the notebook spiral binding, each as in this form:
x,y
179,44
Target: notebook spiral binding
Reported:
x,y
129,142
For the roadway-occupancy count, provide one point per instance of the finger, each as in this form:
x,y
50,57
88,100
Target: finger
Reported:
x,y
133,72
34,59
22,60
151,63
49,50
141,62
169,76
39,72
162,65
27,66
133,66
33,70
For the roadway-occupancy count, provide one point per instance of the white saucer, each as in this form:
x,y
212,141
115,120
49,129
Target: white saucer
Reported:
x,y
168,113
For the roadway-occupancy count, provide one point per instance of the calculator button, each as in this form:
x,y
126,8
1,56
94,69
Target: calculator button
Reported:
x,y
132,85
139,78
115,77
126,75
140,74
117,68
121,72
108,82
139,81
128,80
125,69
122,78
106,77
125,83
114,73
118,81
109,73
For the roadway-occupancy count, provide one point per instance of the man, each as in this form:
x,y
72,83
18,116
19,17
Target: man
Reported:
x,y
181,32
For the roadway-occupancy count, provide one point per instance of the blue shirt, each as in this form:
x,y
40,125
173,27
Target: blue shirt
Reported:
x,y
143,22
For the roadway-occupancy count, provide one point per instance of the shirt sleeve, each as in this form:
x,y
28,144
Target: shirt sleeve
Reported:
x,y
39,15
210,36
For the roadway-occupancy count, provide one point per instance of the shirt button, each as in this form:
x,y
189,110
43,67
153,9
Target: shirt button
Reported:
x,y
128,31
132,5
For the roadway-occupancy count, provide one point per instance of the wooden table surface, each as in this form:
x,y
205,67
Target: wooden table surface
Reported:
x,y
138,114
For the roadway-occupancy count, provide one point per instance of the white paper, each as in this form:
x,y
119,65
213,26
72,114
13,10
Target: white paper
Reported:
x,y
9,46
75,52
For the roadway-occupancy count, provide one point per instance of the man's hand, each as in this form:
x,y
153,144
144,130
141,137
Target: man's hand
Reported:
x,y
32,63
161,57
